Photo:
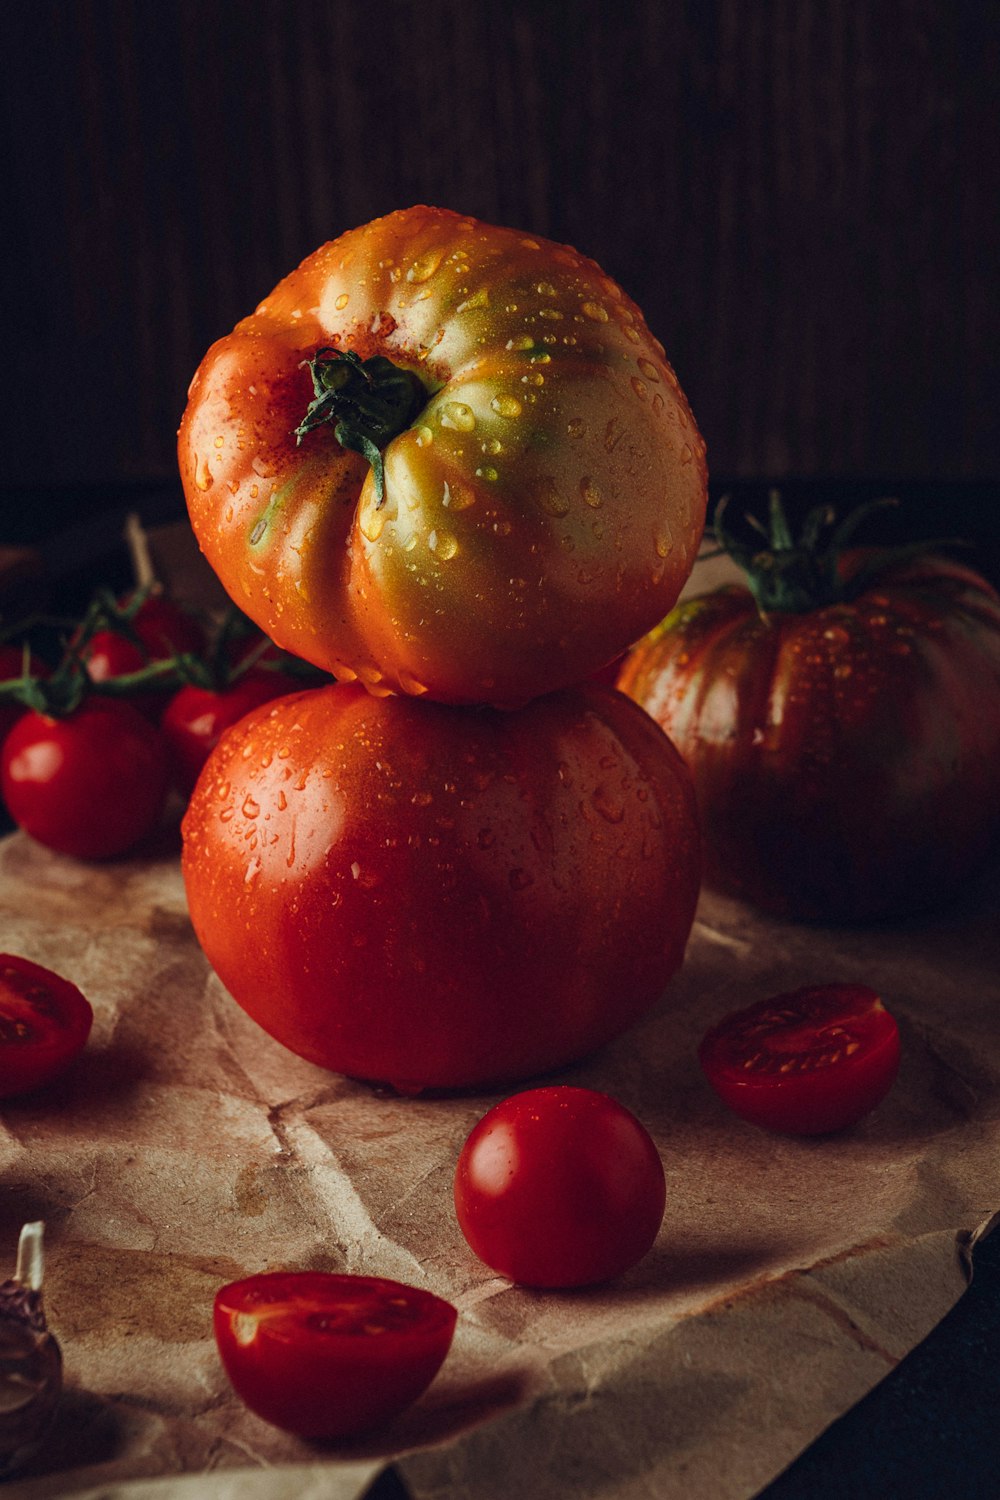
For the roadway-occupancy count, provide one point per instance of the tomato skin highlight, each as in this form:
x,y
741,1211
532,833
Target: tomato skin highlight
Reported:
x,y
327,1356
541,511
559,1187
846,759
437,897
809,1062
44,1023
91,785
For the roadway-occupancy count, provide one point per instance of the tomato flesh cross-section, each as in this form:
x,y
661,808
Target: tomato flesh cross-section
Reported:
x,y
808,1062
44,1023
327,1356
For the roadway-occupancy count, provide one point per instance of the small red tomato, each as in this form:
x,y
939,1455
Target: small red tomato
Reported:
x,y
11,666
806,1063
195,718
90,785
327,1356
559,1187
44,1023
163,630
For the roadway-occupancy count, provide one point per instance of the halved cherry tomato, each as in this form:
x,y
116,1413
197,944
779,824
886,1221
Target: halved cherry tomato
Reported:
x,y
811,1061
559,1187
90,785
327,1356
44,1023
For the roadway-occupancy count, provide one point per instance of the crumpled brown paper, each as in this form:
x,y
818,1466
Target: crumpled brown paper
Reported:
x,y
187,1148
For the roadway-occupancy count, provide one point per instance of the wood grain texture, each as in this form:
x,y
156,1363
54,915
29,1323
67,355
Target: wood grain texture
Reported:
x,y
801,194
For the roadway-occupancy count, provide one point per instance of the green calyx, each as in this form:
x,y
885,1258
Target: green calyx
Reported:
x,y
793,575
368,403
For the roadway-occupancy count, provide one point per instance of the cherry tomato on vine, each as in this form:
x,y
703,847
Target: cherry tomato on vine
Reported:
x,y
328,1356
808,1062
559,1187
841,720
11,666
44,1023
195,718
90,785
448,459
162,630
441,897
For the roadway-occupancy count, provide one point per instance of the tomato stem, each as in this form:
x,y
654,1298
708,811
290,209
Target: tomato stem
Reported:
x,y
368,402
792,576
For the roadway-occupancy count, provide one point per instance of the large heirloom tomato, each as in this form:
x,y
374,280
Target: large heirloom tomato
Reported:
x,y
846,755
435,896
448,459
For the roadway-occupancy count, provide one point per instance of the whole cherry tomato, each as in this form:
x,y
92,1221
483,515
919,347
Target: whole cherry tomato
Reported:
x,y
443,897
328,1356
845,754
44,1023
91,784
162,630
195,718
806,1063
559,1187
448,459
12,664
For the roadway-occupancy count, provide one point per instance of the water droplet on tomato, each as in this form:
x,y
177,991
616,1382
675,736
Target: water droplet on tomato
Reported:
x,y
458,416
424,266
640,387
342,301
487,471
251,809
663,542
412,685
576,427
591,494
227,814
595,311
202,473
648,369
443,544
424,437
506,406
551,501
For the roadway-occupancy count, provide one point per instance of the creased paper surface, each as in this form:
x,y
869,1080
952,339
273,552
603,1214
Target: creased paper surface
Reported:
x,y
187,1148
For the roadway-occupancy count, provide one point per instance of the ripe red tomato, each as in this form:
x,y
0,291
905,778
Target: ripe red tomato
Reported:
x,y
195,718
162,629
12,666
806,1063
538,486
559,1187
846,758
90,785
443,897
328,1356
44,1023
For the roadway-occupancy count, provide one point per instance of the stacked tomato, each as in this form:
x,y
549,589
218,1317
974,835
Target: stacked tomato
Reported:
x,y
449,464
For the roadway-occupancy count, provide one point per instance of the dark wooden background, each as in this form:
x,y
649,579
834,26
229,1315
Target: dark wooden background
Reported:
x,y
801,194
